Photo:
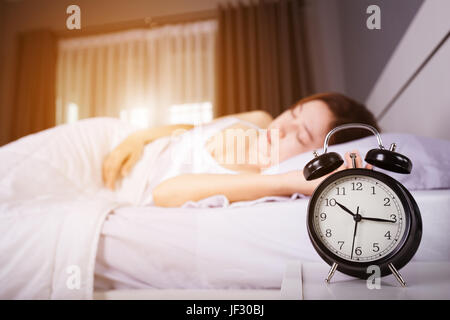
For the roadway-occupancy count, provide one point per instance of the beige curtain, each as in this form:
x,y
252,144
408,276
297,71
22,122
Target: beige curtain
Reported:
x,y
34,100
262,56
143,71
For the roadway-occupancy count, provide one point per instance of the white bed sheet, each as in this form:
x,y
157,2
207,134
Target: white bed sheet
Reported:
x,y
242,247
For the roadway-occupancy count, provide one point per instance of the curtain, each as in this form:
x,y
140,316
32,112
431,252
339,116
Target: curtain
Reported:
x,y
34,99
262,56
142,72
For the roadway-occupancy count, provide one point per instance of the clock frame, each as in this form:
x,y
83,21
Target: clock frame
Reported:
x,y
404,249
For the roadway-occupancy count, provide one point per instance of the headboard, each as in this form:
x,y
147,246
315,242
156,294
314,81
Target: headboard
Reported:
x,y
412,94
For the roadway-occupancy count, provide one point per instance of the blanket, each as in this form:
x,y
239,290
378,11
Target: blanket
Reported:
x,y
52,206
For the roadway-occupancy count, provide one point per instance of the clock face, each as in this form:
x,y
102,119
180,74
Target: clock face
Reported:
x,y
359,218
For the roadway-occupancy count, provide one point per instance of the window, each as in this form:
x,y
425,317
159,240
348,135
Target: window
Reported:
x,y
138,117
144,76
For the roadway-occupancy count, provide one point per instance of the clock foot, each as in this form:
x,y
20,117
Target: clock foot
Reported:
x,y
397,275
331,272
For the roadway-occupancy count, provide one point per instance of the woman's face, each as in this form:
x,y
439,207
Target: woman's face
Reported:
x,y
302,128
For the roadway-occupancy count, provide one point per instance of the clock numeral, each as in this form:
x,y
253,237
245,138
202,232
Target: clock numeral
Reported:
x,y
357,186
358,251
388,235
387,202
340,191
330,202
394,217
328,233
373,190
376,247
341,243
323,216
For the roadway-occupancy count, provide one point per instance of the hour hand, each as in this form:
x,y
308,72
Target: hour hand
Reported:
x,y
345,209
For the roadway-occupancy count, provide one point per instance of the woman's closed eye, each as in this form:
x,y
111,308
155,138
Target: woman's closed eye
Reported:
x,y
300,140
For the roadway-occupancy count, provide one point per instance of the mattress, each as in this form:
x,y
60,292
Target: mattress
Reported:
x,y
229,248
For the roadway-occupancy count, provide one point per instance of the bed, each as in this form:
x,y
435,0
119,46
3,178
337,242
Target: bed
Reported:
x,y
243,248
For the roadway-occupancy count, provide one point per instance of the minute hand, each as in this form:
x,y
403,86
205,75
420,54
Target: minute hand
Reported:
x,y
377,219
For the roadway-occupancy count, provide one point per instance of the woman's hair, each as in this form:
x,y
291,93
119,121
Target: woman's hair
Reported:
x,y
345,110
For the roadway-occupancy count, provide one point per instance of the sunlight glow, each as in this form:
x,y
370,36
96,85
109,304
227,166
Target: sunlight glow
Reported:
x,y
138,117
191,113
72,112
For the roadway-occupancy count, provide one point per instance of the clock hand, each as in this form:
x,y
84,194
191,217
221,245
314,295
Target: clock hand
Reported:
x,y
345,209
365,218
354,233
377,219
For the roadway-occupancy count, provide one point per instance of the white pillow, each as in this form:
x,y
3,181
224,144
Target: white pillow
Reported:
x,y
430,158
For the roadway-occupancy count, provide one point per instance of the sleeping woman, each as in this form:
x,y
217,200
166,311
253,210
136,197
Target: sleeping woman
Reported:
x,y
229,155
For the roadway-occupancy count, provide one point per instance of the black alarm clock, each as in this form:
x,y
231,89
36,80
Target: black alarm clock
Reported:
x,y
361,217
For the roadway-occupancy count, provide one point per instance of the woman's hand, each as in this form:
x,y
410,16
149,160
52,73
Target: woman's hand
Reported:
x,y
119,162
298,183
122,159
348,161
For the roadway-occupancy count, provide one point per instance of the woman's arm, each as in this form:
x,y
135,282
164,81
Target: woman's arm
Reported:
x,y
241,187
151,134
258,117
119,162
193,187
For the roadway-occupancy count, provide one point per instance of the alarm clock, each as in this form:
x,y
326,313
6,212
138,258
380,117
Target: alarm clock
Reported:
x,y
361,217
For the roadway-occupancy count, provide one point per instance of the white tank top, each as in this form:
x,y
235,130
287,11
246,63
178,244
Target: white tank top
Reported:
x,y
172,156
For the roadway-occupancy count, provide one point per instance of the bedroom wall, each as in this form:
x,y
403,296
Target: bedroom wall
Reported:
x,y
365,52
326,45
424,107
